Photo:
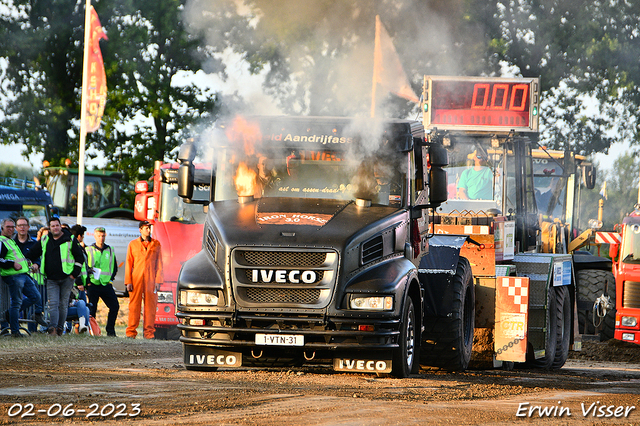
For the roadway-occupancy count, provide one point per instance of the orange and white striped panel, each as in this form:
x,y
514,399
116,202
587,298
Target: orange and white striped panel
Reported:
x,y
607,238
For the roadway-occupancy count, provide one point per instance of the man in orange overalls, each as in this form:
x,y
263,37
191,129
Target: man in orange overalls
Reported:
x,y
143,275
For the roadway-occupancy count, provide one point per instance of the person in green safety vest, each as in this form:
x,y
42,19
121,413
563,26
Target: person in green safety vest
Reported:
x,y
61,263
14,268
476,183
104,267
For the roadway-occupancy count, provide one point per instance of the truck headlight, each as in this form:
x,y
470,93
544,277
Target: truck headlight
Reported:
x,y
629,321
371,303
165,297
196,298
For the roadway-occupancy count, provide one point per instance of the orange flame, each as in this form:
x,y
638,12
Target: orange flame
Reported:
x,y
245,135
245,180
242,131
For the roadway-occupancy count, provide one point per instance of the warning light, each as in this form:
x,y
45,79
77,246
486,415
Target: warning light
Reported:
x,y
425,107
535,110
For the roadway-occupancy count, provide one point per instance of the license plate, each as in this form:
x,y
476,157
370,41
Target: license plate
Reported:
x,y
280,339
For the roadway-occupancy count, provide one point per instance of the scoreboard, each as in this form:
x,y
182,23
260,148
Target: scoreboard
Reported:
x,y
490,104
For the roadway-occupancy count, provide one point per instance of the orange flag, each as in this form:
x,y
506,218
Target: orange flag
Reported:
x,y
387,69
96,90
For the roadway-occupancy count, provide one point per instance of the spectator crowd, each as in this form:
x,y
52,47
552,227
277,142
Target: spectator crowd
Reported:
x,y
56,266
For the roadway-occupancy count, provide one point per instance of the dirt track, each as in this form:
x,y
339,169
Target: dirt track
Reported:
x,y
82,371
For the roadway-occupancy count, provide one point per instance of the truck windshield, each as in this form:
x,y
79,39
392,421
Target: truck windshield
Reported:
x,y
630,251
550,185
475,177
301,173
175,210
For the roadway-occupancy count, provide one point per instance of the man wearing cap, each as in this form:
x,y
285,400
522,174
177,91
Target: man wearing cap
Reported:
x,y
104,267
143,276
475,183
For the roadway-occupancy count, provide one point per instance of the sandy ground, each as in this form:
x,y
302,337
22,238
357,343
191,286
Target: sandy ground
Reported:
x,y
112,380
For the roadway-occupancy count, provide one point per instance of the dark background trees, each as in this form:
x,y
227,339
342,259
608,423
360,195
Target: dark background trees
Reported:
x,y
316,58
147,112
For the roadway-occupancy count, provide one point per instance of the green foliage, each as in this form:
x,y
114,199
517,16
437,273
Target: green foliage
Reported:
x,y
622,189
316,57
148,47
586,55
20,172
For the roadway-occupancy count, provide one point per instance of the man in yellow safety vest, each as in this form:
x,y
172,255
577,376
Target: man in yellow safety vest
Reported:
x,y
15,273
62,261
103,265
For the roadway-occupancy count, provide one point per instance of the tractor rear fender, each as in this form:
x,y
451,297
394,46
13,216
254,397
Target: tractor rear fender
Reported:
x,y
436,272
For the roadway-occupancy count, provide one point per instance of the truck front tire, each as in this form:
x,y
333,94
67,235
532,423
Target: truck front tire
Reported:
x,y
447,342
590,287
551,336
563,326
404,358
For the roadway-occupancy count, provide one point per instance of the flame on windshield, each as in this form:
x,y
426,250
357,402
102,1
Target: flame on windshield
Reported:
x,y
246,135
245,180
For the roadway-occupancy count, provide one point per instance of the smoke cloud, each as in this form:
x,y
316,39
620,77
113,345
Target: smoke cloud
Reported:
x,y
315,57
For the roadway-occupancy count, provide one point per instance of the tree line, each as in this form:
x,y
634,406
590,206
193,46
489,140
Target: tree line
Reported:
x,y
315,57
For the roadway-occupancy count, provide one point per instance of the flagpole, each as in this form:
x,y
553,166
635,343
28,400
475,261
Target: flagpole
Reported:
x,y
638,189
375,68
83,110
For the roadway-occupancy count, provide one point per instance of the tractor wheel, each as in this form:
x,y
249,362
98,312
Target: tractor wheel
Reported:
x,y
447,342
404,360
563,326
551,336
590,287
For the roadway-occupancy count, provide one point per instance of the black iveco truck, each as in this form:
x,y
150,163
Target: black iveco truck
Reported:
x,y
315,229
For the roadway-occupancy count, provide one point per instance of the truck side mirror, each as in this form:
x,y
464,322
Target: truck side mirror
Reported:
x,y
589,176
186,170
438,158
185,180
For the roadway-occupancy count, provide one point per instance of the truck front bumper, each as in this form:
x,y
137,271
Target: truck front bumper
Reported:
x,y
631,336
318,333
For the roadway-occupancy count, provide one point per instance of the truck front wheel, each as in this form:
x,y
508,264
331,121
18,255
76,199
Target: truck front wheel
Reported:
x,y
550,338
404,358
447,342
563,326
590,287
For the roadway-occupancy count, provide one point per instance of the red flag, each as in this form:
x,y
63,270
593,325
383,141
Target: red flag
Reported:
x,y
96,90
387,69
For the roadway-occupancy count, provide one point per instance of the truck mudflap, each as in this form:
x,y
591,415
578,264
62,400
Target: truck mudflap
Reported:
x,y
444,251
205,356
353,365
